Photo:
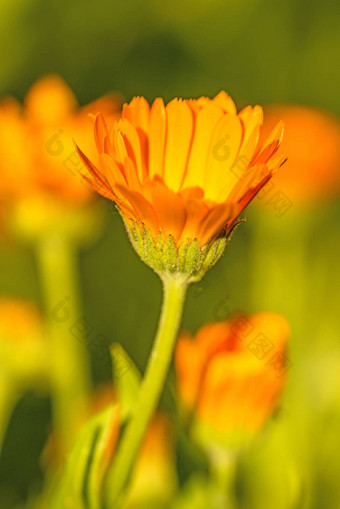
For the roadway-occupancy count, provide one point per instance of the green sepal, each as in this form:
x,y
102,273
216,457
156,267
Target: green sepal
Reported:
x,y
187,259
193,258
169,255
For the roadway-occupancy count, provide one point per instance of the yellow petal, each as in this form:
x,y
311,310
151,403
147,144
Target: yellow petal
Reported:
x,y
138,113
224,101
179,136
206,121
223,150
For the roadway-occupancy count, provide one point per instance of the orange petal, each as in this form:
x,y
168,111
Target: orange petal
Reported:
x,y
118,143
100,132
214,222
143,209
131,175
276,134
170,209
266,154
97,175
158,127
196,209
133,146
242,167
111,170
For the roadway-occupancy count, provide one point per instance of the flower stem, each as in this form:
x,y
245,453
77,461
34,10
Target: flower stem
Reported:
x,y
151,388
69,363
223,481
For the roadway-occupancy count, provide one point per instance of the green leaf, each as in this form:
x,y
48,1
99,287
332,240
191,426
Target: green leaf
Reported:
x,y
81,484
126,379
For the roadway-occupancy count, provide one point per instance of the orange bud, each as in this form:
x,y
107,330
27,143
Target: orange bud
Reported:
x,y
231,374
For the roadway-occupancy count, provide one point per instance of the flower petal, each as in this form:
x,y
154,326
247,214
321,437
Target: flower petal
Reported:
x,y
223,150
178,141
206,121
158,128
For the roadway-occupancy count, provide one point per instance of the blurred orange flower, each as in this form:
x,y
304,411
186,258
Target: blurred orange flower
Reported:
x,y
231,374
312,146
187,169
37,151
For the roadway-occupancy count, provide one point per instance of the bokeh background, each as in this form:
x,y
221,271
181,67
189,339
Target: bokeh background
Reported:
x,y
261,52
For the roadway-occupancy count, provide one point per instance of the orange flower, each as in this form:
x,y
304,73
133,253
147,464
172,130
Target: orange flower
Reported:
x,y
232,373
312,146
187,169
37,151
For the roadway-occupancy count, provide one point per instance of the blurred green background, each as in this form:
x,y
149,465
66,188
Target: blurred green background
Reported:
x,y
260,52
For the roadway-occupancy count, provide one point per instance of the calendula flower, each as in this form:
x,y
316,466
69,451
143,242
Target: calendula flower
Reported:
x,y
40,186
312,146
231,375
37,152
182,173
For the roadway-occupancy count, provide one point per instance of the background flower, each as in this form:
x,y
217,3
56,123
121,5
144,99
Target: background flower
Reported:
x,y
231,375
312,146
37,152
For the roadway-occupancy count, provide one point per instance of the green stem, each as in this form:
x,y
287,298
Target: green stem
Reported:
x,y
222,483
151,388
69,363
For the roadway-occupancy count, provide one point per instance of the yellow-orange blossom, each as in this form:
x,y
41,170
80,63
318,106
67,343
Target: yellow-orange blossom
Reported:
x,y
232,373
187,169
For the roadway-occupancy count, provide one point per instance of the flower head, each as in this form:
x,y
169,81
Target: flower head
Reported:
x,y
186,169
181,175
231,374
312,146
37,151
